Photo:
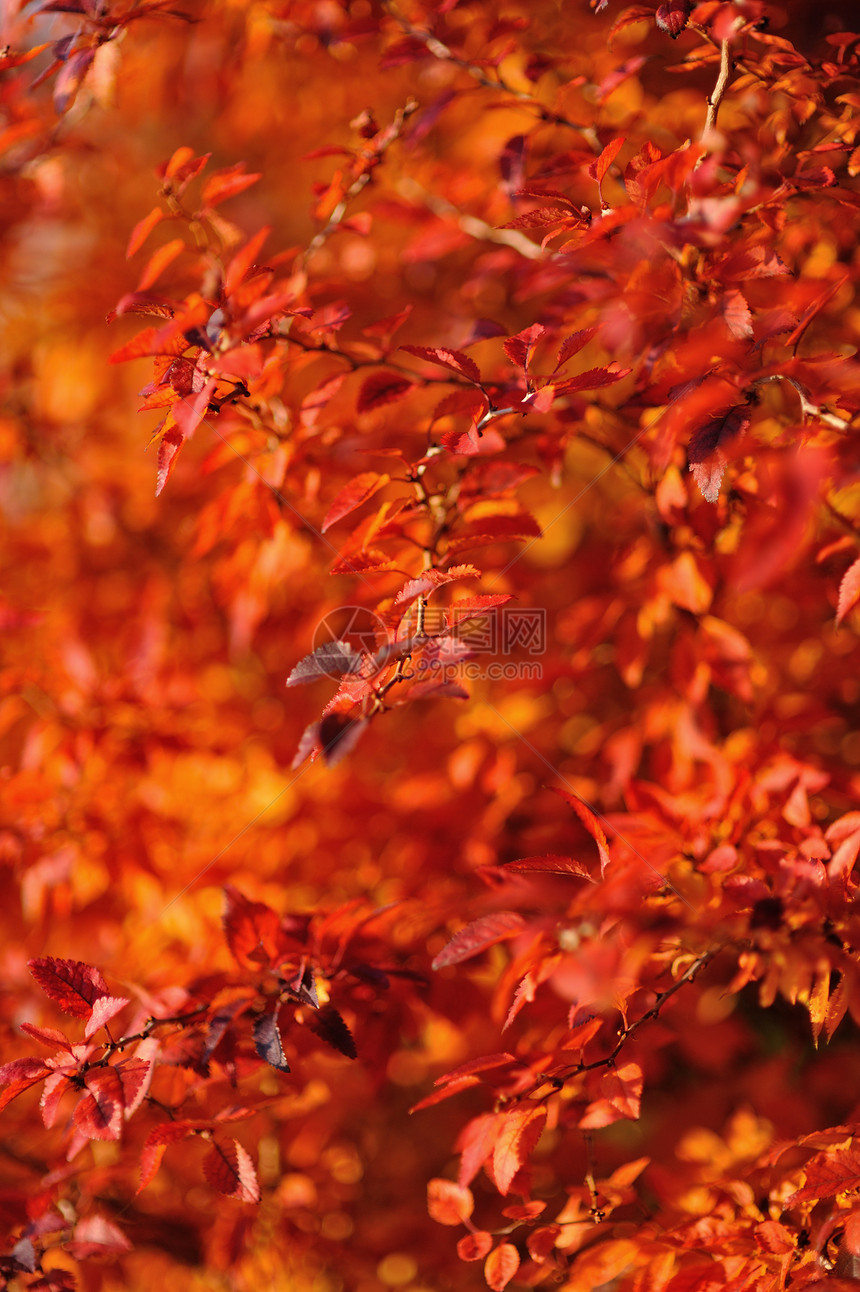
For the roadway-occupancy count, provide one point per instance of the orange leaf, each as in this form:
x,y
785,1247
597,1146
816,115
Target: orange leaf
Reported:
x,y
142,230
227,183
849,591
158,262
520,1132
474,1247
501,1265
449,1203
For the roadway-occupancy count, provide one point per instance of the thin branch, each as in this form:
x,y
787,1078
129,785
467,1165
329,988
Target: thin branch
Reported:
x,y
719,90
442,51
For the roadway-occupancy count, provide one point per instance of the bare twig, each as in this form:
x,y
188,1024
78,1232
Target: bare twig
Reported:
x,y
719,90
442,51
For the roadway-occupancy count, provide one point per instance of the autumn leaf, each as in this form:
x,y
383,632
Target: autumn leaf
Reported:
x,y
71,984
267,1041
252,929
353,495
229,1169
501,1265
454,360
328,1024
474,1247
518,1134
381,388
449,1203
849,591
97,1236
478,936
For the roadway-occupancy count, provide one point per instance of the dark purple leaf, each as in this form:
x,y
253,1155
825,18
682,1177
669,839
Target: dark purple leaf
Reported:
x,y
330,1027
332,659
267,1041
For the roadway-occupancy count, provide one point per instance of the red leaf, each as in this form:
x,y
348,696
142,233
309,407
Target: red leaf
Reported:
x,y
549,865
541,1242
501,1265
454,360
434,579
96,1236
672,17
592,379
229,1169
50,1035
477,936
103,1011
474,1247
737,314
606,158
99,1113
849,591
20,1075
520,348
71,984
243,261
519,1132
828,1174
168,451
252,929
573,344
157,1141
227,183
381,388
353,495
620,1097
449,1203
475,1144
592,825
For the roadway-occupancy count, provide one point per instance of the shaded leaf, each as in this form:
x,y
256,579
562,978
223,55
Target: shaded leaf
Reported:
x,y
71,984
381,388
329,1026
267,1041
332,659
252,929
157,1141
229,1169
